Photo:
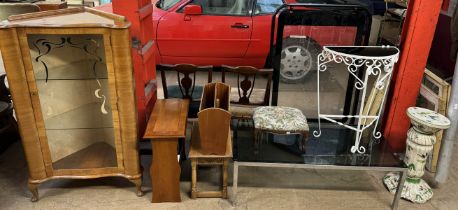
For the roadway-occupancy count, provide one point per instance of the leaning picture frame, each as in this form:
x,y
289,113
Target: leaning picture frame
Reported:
x,y
434,95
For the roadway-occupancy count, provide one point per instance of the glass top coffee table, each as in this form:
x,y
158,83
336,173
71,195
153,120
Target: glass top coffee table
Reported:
x,y
330,151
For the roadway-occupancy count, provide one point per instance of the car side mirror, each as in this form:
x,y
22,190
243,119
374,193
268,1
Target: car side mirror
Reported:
x,y
192,9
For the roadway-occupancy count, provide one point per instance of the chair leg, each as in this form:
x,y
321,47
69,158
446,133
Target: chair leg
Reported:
x,y
224,179
194,179
257,139
236,128
303,141
235,141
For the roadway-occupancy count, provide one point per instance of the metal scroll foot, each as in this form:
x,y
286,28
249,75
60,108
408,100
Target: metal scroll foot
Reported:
x,y
34,190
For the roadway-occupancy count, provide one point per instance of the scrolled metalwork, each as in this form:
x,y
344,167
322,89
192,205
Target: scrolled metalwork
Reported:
x,y
89,46
380,67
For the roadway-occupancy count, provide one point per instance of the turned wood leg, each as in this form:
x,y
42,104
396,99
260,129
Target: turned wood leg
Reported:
x,y
34,190
224,178
303,141
194,179
138,186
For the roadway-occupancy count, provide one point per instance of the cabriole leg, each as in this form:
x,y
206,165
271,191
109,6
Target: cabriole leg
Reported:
x,y
33,187
138,186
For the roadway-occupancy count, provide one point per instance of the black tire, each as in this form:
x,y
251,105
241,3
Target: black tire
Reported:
x,y
298,59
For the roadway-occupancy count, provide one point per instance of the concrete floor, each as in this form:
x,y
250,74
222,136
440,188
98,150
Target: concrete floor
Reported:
x,y
259,188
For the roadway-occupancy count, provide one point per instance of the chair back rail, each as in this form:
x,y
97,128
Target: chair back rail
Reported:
x,y
186,77
246,80
185,86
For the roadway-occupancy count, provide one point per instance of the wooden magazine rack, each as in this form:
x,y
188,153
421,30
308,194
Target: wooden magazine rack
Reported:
x,y
211,142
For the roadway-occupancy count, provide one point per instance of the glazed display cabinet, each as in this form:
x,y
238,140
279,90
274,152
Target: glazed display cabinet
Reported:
x,y
71,78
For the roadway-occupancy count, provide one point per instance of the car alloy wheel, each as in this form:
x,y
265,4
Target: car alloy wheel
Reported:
x,y
295,63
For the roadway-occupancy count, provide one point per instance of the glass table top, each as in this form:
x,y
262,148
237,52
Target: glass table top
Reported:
x,y
331,148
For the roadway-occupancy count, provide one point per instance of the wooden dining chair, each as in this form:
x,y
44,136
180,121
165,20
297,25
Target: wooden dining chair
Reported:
x,y
185,85
245,96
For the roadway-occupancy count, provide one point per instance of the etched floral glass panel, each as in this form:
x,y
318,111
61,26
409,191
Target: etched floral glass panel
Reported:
x,y
71,78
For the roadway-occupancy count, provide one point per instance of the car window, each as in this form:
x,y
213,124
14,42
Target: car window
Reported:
x,y
223,7
167,4
267,6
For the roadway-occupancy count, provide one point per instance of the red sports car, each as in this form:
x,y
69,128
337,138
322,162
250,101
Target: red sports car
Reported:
x,y
237,32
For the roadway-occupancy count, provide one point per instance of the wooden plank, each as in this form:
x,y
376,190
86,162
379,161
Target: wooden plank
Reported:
x,y
88,173
67,18
12,59
214,131
222,95
165,171
114,97
440,101
128,117
28,66
47,5
194,151
168,119
209,194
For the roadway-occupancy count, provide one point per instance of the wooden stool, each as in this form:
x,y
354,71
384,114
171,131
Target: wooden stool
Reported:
x,y
199,157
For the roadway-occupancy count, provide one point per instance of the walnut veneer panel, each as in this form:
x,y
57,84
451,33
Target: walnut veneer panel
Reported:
x,y
168,119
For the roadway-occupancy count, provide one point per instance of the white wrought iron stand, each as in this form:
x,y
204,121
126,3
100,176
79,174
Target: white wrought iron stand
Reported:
x,y
377,62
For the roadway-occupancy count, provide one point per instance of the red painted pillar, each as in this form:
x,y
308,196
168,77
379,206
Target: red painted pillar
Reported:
x,y
417,34
139,13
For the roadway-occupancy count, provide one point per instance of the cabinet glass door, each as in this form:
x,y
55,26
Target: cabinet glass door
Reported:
x,y
72,81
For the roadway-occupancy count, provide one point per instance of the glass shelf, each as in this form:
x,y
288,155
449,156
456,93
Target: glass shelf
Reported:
x,y
80,70
332,148
83,117
97,155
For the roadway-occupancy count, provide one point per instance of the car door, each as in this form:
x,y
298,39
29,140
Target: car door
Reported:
x,y
223,30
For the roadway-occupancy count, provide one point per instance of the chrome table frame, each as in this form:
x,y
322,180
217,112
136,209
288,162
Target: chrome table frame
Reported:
x,y
397,196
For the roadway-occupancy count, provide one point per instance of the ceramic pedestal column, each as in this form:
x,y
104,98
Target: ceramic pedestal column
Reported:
x,y
420,140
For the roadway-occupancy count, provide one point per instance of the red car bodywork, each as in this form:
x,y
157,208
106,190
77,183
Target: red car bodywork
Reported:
x,y
210,39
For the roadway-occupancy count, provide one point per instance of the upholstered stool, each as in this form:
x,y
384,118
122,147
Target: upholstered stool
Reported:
x,y
279,120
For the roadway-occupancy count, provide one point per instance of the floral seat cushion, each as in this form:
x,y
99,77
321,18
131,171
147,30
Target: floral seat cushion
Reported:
x,y
280,119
